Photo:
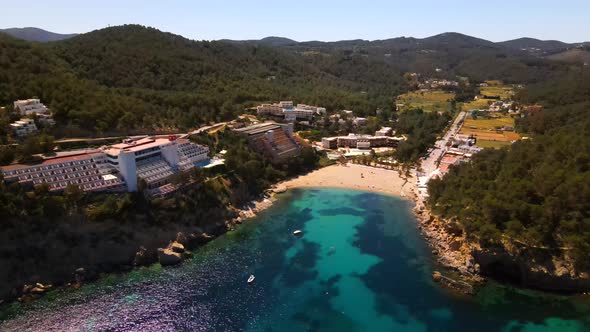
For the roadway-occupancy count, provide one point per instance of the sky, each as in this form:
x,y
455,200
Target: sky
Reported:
x,y
303,20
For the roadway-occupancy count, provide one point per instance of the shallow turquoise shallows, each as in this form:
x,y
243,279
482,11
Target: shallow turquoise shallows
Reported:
x,y
359,265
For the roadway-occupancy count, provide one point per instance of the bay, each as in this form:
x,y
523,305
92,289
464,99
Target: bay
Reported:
x,y
359,265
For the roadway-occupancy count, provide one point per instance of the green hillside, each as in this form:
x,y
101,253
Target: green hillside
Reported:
x,y
535,192
133,79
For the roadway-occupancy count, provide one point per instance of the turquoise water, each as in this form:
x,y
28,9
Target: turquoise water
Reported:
x,y
360,265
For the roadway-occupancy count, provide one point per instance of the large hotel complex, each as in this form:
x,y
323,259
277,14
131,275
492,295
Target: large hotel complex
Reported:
x,y
116,167
289,112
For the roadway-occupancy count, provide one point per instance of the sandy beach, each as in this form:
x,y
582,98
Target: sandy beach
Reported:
x,y
353,176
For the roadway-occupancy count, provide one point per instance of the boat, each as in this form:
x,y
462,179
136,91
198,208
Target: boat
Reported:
x,y
297,232
251,278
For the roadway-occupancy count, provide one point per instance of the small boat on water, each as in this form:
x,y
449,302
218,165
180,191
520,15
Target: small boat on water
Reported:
x,y
251,278
297,232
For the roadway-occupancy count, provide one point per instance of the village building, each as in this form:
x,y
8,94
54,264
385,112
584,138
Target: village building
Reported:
x,y
358,121
384,131
29,106
23,127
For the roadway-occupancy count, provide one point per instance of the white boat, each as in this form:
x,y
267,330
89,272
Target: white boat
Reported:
x,y
251,278
297,232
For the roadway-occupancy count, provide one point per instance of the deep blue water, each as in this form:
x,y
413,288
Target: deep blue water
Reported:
x,y
360,265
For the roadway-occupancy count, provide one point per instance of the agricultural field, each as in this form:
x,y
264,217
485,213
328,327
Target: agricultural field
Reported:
x,y
485,130
494,89
504,92
477,104
428,101
492,144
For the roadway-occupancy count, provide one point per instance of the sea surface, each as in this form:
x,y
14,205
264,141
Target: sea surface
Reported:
x,y
360,265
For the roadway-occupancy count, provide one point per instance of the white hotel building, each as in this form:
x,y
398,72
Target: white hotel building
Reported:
x,y
114,168
29,106
289,112
23,127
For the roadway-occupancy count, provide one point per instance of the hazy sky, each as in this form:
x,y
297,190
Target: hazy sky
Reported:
x,y
566,20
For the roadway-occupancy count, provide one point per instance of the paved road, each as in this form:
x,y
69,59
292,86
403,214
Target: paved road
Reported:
x,y
180,135
429,164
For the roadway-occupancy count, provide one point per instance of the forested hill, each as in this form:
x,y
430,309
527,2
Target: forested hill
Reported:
x,y
136,77
132,78
454,53
537,192
36,34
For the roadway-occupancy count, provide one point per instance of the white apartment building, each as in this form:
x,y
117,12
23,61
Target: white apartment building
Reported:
x,y
46,119
317,109
29,106
116,167
23,127
290,113
286,104
360,141
358,121
384,131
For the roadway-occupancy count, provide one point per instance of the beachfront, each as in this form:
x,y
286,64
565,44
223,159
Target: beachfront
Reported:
x,y
353,176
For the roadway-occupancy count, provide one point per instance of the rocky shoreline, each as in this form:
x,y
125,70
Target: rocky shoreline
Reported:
x,y
174,253
467,265
452,250
458,258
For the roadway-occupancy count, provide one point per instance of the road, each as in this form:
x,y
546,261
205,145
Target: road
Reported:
x,y
179,135
429,164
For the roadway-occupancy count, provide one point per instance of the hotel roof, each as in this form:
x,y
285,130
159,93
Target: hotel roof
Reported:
x,y
57,160
258,128
139,145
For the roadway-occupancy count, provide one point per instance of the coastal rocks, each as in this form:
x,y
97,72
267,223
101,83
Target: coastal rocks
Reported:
x,y
457,285
26,289
143,257
204,238
40,288
436,276
186,255
280,189
168,257
539,269
455,245
30,292
80,275
181,238
512,263
251,209
176,247
452,251
173,254
194,240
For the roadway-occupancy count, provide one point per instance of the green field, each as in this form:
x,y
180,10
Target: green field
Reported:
x,y
491,144
495,89
485,131
483,123
428,101
504,92
477,104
